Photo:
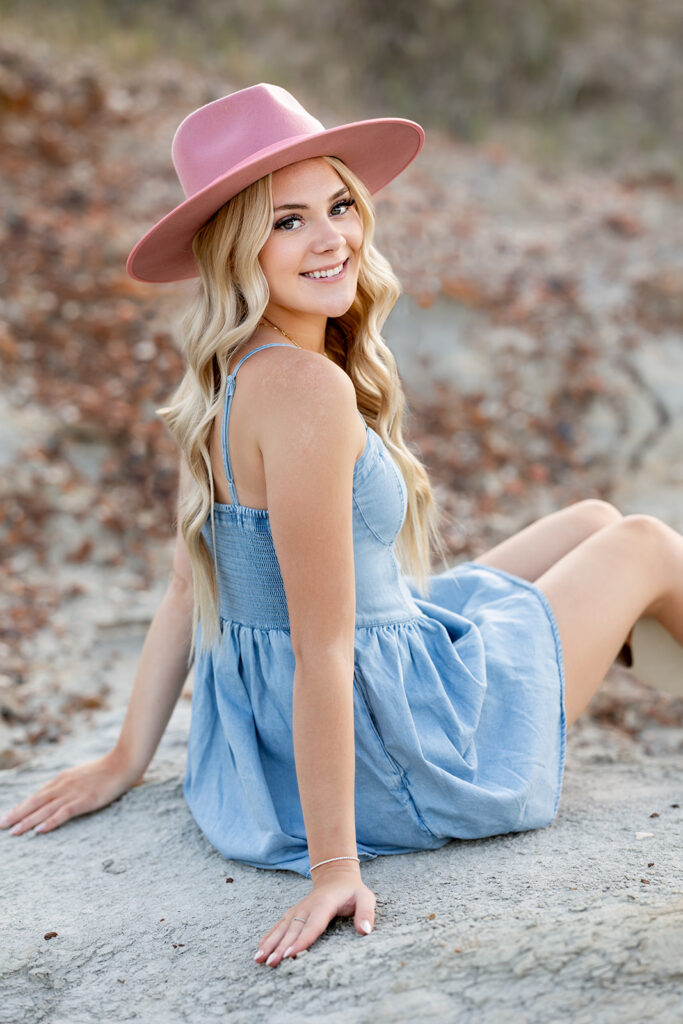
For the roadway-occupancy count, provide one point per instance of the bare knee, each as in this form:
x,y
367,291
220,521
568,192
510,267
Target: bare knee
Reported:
x,y
597,513
647,528
646,536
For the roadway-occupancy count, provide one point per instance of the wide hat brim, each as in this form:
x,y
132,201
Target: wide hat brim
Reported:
x,y
377,150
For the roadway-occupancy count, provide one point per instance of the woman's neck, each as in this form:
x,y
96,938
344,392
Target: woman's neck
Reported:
x,y
306,331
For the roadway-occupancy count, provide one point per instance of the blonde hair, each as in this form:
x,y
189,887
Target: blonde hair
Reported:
x,y
232,294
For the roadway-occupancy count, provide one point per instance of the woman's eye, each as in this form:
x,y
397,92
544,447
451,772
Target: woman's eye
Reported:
x,y
344,202
287,221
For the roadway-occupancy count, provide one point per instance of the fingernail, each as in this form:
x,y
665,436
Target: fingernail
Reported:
x,y
15,828
40,828
366,926
260,953
271,957
287,951
4,820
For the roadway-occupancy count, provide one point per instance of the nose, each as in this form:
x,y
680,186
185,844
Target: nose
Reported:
x,y
328,238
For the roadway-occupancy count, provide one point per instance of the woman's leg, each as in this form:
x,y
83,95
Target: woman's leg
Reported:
x,y
598,591
532,551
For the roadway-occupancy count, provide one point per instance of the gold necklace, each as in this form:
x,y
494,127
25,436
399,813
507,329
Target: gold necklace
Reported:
x,y
264,319
267,321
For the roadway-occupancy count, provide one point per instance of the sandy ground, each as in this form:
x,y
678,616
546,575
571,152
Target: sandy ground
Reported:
x,y
580,921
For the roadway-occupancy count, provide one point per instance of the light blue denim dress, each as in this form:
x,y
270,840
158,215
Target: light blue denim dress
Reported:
x,y
458,697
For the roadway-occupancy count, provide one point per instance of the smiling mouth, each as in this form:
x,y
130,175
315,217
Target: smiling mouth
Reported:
x,y
327,275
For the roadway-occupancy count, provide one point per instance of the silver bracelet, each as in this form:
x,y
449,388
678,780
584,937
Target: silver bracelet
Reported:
x,y
331,859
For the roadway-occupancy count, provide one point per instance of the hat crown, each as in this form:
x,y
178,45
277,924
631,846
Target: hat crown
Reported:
x,y
229,131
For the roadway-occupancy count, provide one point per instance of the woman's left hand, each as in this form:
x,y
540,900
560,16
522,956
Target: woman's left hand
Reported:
x,y
341,893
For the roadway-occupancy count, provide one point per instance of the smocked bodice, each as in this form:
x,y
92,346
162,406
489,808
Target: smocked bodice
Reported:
x,y
251,590
250,585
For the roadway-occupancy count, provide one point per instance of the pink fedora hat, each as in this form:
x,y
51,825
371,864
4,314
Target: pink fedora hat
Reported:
x,y
227,144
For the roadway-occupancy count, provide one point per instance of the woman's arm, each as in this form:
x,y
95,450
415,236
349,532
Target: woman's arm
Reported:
x,y
161,674
162,669
159,679
309,437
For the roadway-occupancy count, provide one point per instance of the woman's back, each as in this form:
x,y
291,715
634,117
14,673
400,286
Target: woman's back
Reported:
x,y
246,417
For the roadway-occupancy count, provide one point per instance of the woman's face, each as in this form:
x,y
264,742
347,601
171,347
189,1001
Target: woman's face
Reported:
x,y
315,227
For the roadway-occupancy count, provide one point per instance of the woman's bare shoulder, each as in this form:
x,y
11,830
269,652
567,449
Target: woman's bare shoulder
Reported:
x,y
298,376
307,404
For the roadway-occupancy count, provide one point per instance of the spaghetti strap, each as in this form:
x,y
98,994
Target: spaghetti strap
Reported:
x,y
229,391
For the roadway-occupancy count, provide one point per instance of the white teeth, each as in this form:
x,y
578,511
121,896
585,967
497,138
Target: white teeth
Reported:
x,y
326,273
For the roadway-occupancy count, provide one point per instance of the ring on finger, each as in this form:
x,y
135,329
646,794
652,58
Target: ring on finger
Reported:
x,y
300,919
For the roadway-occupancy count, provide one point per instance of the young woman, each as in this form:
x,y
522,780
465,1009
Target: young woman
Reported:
x,y
342,709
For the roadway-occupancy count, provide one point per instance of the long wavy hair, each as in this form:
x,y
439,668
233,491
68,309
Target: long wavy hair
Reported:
x,y
232,295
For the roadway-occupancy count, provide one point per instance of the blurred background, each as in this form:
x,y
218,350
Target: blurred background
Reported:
x,y
595,81
537,238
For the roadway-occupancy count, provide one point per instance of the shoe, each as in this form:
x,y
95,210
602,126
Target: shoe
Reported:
x,y
657,659
625,657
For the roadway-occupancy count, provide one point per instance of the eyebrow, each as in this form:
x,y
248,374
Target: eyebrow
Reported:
x,y
302,206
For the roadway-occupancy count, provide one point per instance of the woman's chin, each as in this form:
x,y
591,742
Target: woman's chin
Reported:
x,y
335,305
